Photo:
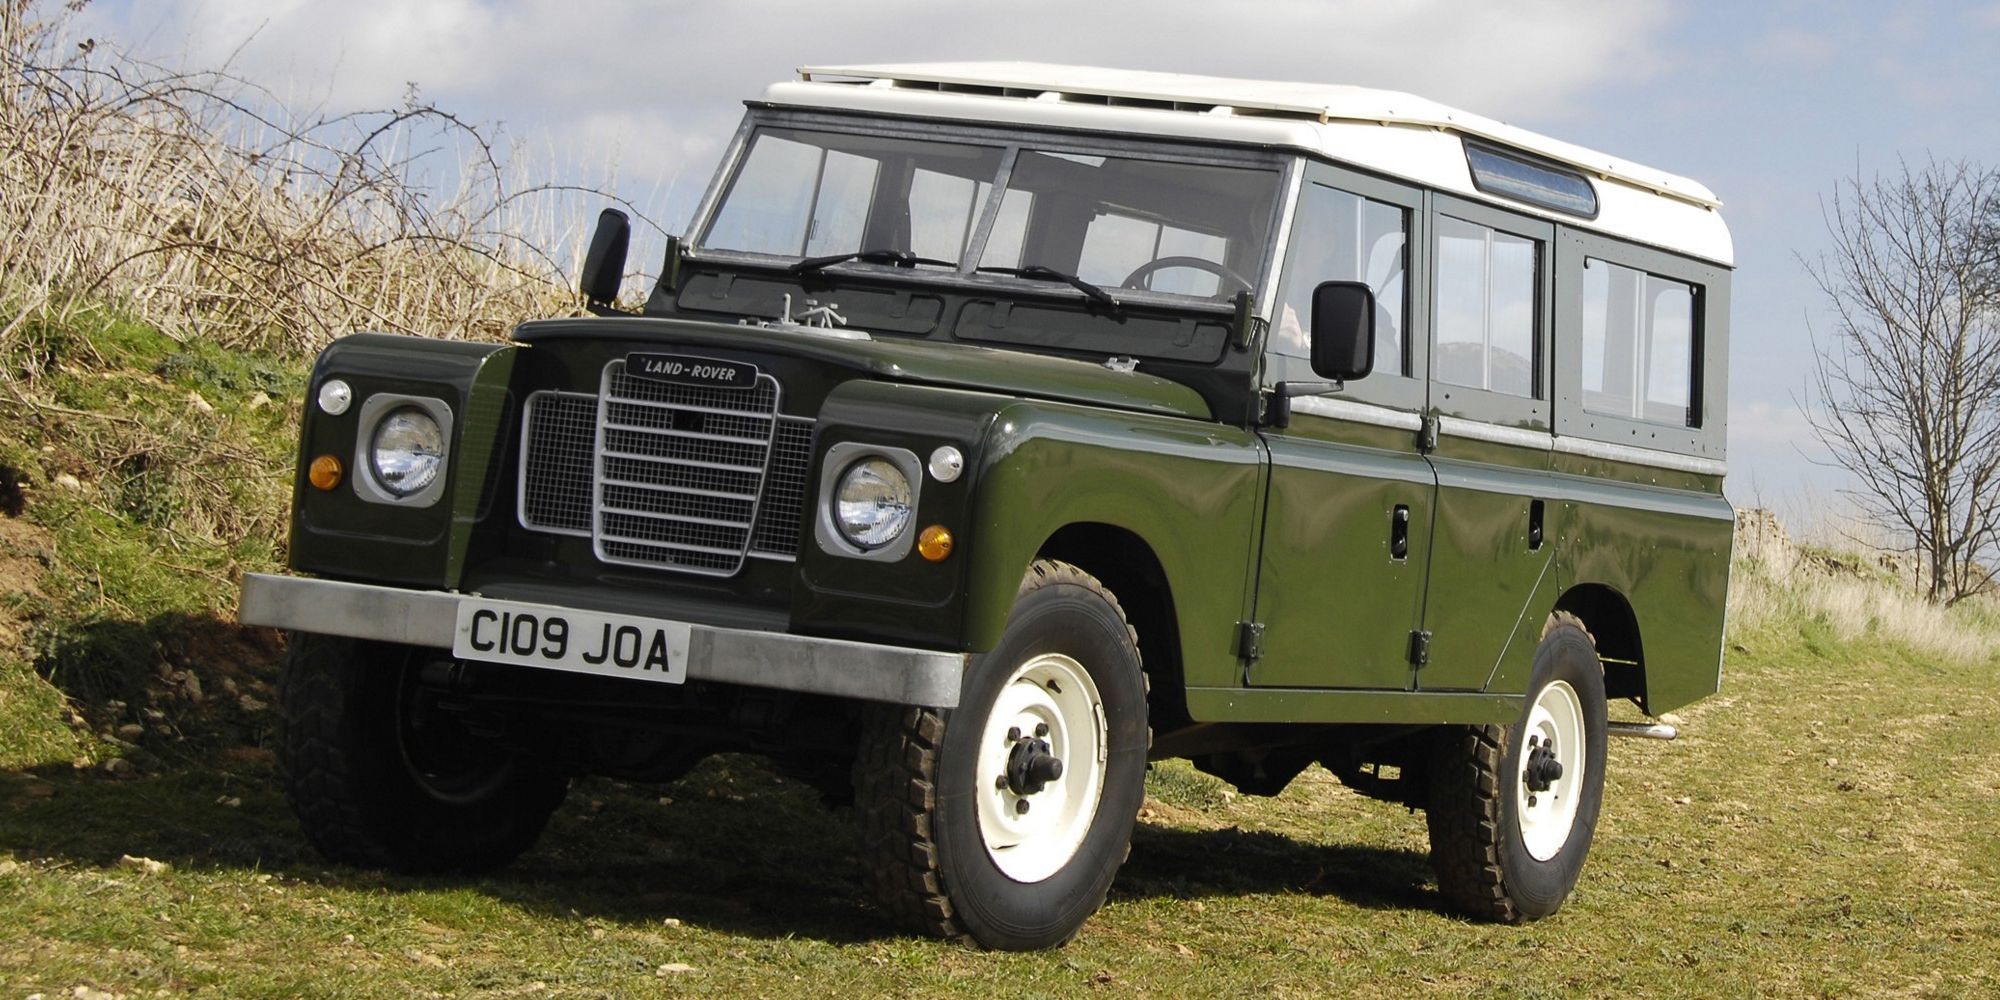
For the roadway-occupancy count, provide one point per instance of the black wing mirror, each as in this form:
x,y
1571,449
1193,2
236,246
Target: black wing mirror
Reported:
x,y
1343,346
604,265
1343,330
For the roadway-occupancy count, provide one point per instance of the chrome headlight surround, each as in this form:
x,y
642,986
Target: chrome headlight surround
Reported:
x,y
834,467
374,411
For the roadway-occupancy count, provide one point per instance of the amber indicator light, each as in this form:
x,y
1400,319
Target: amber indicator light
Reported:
x,y
935,543
325,472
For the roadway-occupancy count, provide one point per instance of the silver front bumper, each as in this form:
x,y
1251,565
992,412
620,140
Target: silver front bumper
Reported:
x,y
736,656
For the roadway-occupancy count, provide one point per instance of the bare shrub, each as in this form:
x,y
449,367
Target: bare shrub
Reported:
x,y
195,202
1910,387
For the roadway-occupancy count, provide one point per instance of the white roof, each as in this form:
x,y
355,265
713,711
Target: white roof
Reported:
x,y
1395,133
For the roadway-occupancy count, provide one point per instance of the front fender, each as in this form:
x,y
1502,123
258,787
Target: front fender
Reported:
x,y
1192,490
340,533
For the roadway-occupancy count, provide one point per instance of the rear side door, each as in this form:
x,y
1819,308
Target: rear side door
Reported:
x,y
1491,555
1345,542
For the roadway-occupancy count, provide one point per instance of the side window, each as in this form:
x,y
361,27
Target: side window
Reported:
x,y
1486,309
1339,236
1638,345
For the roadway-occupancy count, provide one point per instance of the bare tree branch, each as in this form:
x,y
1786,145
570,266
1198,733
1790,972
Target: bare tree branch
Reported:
x,y
1909,383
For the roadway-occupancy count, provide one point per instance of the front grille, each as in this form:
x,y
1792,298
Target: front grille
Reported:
x,y
558,438
667,476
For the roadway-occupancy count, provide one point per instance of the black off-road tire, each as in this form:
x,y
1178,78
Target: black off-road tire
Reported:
x,y
915,784
356,796
1477,849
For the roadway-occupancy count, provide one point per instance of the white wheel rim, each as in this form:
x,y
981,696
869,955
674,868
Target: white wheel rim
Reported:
x,y
1546,815
1055,691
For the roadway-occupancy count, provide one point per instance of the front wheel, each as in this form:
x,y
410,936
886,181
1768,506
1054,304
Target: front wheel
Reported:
x,y
1004,820
382,776
1512,809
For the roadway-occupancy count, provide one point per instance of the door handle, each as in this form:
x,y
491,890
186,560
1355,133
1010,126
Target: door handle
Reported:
x,y
1535,526
1399,532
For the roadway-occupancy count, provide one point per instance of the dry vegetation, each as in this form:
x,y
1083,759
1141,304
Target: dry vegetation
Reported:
x,y
197,203
1848,594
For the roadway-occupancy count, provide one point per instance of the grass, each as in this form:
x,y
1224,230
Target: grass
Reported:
x,y
1823,829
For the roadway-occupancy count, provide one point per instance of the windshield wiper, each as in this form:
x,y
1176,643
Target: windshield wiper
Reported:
x,y
1038,272
894,258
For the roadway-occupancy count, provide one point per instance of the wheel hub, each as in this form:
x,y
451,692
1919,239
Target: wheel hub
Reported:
x,y
1552,770
1031,765
1041,767
1543,768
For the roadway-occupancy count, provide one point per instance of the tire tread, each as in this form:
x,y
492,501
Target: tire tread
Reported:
x,y
1466,812
895,791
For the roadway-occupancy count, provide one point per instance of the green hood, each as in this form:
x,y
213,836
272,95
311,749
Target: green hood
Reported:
x,y
956,365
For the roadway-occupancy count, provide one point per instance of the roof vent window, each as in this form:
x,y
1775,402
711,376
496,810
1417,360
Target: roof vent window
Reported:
x,y
1512,175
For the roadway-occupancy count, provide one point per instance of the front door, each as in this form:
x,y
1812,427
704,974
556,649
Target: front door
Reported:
x,y
1347,527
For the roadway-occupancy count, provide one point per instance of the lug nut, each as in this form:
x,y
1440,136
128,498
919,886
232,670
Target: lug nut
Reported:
x,y
1531,800
1021,807
1041,729
1013,733
1000,782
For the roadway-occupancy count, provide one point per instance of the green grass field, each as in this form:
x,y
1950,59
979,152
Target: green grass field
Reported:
x,y
1827,826
1823,829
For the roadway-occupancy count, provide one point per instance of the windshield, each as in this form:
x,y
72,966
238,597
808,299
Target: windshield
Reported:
x,y
1133,222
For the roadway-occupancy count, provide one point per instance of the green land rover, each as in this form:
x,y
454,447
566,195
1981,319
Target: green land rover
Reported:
x,y
997,429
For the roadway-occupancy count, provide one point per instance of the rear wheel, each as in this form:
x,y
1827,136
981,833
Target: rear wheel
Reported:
x,y
381,776
1004,820
1513,809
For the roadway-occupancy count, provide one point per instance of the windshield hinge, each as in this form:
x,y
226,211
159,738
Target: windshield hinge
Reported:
x,y
1420,647
1250,640
1247,324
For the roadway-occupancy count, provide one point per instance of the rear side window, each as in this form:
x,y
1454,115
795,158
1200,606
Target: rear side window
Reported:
x,y
1486,309
1638,345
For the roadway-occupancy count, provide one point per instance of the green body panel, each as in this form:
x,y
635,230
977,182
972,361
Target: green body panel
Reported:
x,y
1192,491
1667,552
1218,704
1336,607
336,533
912,601
1484,576
928,362
483,427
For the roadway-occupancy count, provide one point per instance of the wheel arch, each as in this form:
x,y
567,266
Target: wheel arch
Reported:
x,y
1609,617
1126,564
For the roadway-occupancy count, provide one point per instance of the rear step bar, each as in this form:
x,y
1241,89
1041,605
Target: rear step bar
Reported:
x,y
1642,730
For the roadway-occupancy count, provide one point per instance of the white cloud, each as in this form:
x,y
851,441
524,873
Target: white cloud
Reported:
x,y
1769,425
658,86
1528,59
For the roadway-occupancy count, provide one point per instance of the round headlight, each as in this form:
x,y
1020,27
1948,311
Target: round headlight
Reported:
x,y
408,451
872,504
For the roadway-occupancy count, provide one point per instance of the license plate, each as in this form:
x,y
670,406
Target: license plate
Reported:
x,y
537,635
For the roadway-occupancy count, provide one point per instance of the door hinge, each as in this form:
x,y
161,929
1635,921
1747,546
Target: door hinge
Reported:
x,y
1420,647
1427,433
1249,640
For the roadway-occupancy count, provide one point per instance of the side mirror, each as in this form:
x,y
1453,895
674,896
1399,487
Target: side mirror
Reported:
x,y
1343,330
604,265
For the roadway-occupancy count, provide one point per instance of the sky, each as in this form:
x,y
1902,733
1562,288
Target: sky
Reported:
x,y
1770,104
